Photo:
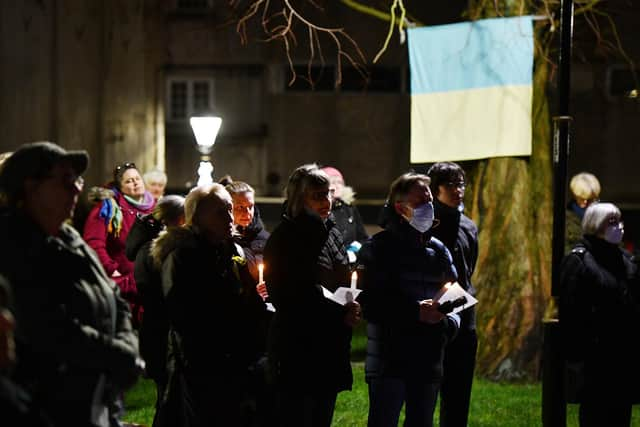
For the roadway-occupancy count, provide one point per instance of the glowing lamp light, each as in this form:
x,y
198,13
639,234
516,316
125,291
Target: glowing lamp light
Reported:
x,y
205,130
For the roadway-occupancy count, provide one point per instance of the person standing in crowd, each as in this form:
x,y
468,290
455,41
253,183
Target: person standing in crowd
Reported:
x,y
108,225
585,190
154,328
215,312
404,268
251,234
345,214
155,181
600,313
75,347
460,235
309,336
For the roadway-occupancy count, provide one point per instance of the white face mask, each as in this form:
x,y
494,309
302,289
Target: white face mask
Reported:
x,y
614,233
422,218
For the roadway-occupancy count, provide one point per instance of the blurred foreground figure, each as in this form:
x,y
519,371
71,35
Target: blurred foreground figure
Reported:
x,y
600,319
75,347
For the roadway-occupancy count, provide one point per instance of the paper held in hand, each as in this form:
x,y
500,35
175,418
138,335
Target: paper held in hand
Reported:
x,y
342,295
451,291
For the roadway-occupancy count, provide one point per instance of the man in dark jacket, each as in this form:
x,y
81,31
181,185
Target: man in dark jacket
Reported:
x,y
251,234
75,347
404,269
460,236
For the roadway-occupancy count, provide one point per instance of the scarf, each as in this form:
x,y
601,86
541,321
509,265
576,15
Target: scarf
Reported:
x,y
111,212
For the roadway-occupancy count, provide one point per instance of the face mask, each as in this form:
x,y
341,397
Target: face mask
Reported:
x,y
422,218
613,234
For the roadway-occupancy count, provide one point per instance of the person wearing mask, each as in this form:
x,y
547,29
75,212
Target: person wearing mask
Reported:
x,y
108,224
216,315
403,268
585,190
600,317
345,214
309,337
155,181
251,234
76,350
460,235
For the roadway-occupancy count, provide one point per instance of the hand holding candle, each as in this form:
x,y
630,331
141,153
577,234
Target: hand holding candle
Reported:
x,y
260,273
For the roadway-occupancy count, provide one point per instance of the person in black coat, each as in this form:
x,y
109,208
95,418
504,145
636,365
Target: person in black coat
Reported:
x,y
216,315
599,319
345,214
460,236
251,234
403,269
154,327
309,337
76,350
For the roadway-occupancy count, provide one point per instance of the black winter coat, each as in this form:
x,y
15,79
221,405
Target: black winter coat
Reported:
x,y
460,235
401,268
308,340
252,239
73,329
600,319
347,219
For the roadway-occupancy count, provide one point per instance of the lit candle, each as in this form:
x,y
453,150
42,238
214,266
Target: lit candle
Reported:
x,y
354,280
260,273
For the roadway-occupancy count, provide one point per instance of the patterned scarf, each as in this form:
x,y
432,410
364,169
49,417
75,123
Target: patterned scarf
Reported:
x,y
112,213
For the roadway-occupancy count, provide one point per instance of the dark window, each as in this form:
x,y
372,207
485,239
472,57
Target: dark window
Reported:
x,y
178,100
373,79
318,78
201,97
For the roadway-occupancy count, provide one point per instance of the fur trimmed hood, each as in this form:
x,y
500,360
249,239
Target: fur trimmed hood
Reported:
x,y
348,195
98,194
168,240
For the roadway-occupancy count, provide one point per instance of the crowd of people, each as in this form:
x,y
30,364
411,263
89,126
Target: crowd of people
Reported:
x,y
234,325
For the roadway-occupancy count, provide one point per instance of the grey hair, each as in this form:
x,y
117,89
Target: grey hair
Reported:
x,y
237,187
596,217
197,195
155,176
303,178
169,209
401,186
585,186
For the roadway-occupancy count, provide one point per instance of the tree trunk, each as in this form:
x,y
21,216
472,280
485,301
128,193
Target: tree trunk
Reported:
x,y
512,206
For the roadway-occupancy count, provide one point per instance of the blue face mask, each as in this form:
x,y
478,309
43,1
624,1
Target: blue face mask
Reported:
x,y
422,218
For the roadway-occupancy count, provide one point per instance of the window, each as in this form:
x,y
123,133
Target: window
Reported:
x,y
378,79
318,78
188,97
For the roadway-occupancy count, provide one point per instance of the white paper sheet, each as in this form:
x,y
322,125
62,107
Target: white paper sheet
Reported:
x,y
451,291
342,295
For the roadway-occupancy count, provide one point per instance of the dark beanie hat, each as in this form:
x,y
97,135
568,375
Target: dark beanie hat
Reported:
x,y
35,160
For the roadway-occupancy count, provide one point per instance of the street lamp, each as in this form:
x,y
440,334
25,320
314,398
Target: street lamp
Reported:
x,y
206,130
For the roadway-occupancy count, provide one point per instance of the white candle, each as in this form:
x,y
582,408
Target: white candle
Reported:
x,y
260,273
354,280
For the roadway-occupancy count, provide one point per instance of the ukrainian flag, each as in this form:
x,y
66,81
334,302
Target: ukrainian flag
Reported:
x,y
471,89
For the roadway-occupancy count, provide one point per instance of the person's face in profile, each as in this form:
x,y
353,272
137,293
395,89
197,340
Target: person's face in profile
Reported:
x,y
243,208
318,199
131,183
214,217
53,198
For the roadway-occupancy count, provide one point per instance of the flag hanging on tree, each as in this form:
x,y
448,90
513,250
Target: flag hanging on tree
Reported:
x,y
471,90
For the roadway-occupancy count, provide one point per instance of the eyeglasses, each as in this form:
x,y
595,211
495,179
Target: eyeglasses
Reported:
x,y
70,181
458,184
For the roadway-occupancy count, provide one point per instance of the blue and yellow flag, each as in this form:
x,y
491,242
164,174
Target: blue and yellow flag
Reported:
x,y
471,89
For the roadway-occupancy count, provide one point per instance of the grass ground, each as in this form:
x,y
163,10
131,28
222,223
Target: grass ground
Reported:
x,y
492,404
